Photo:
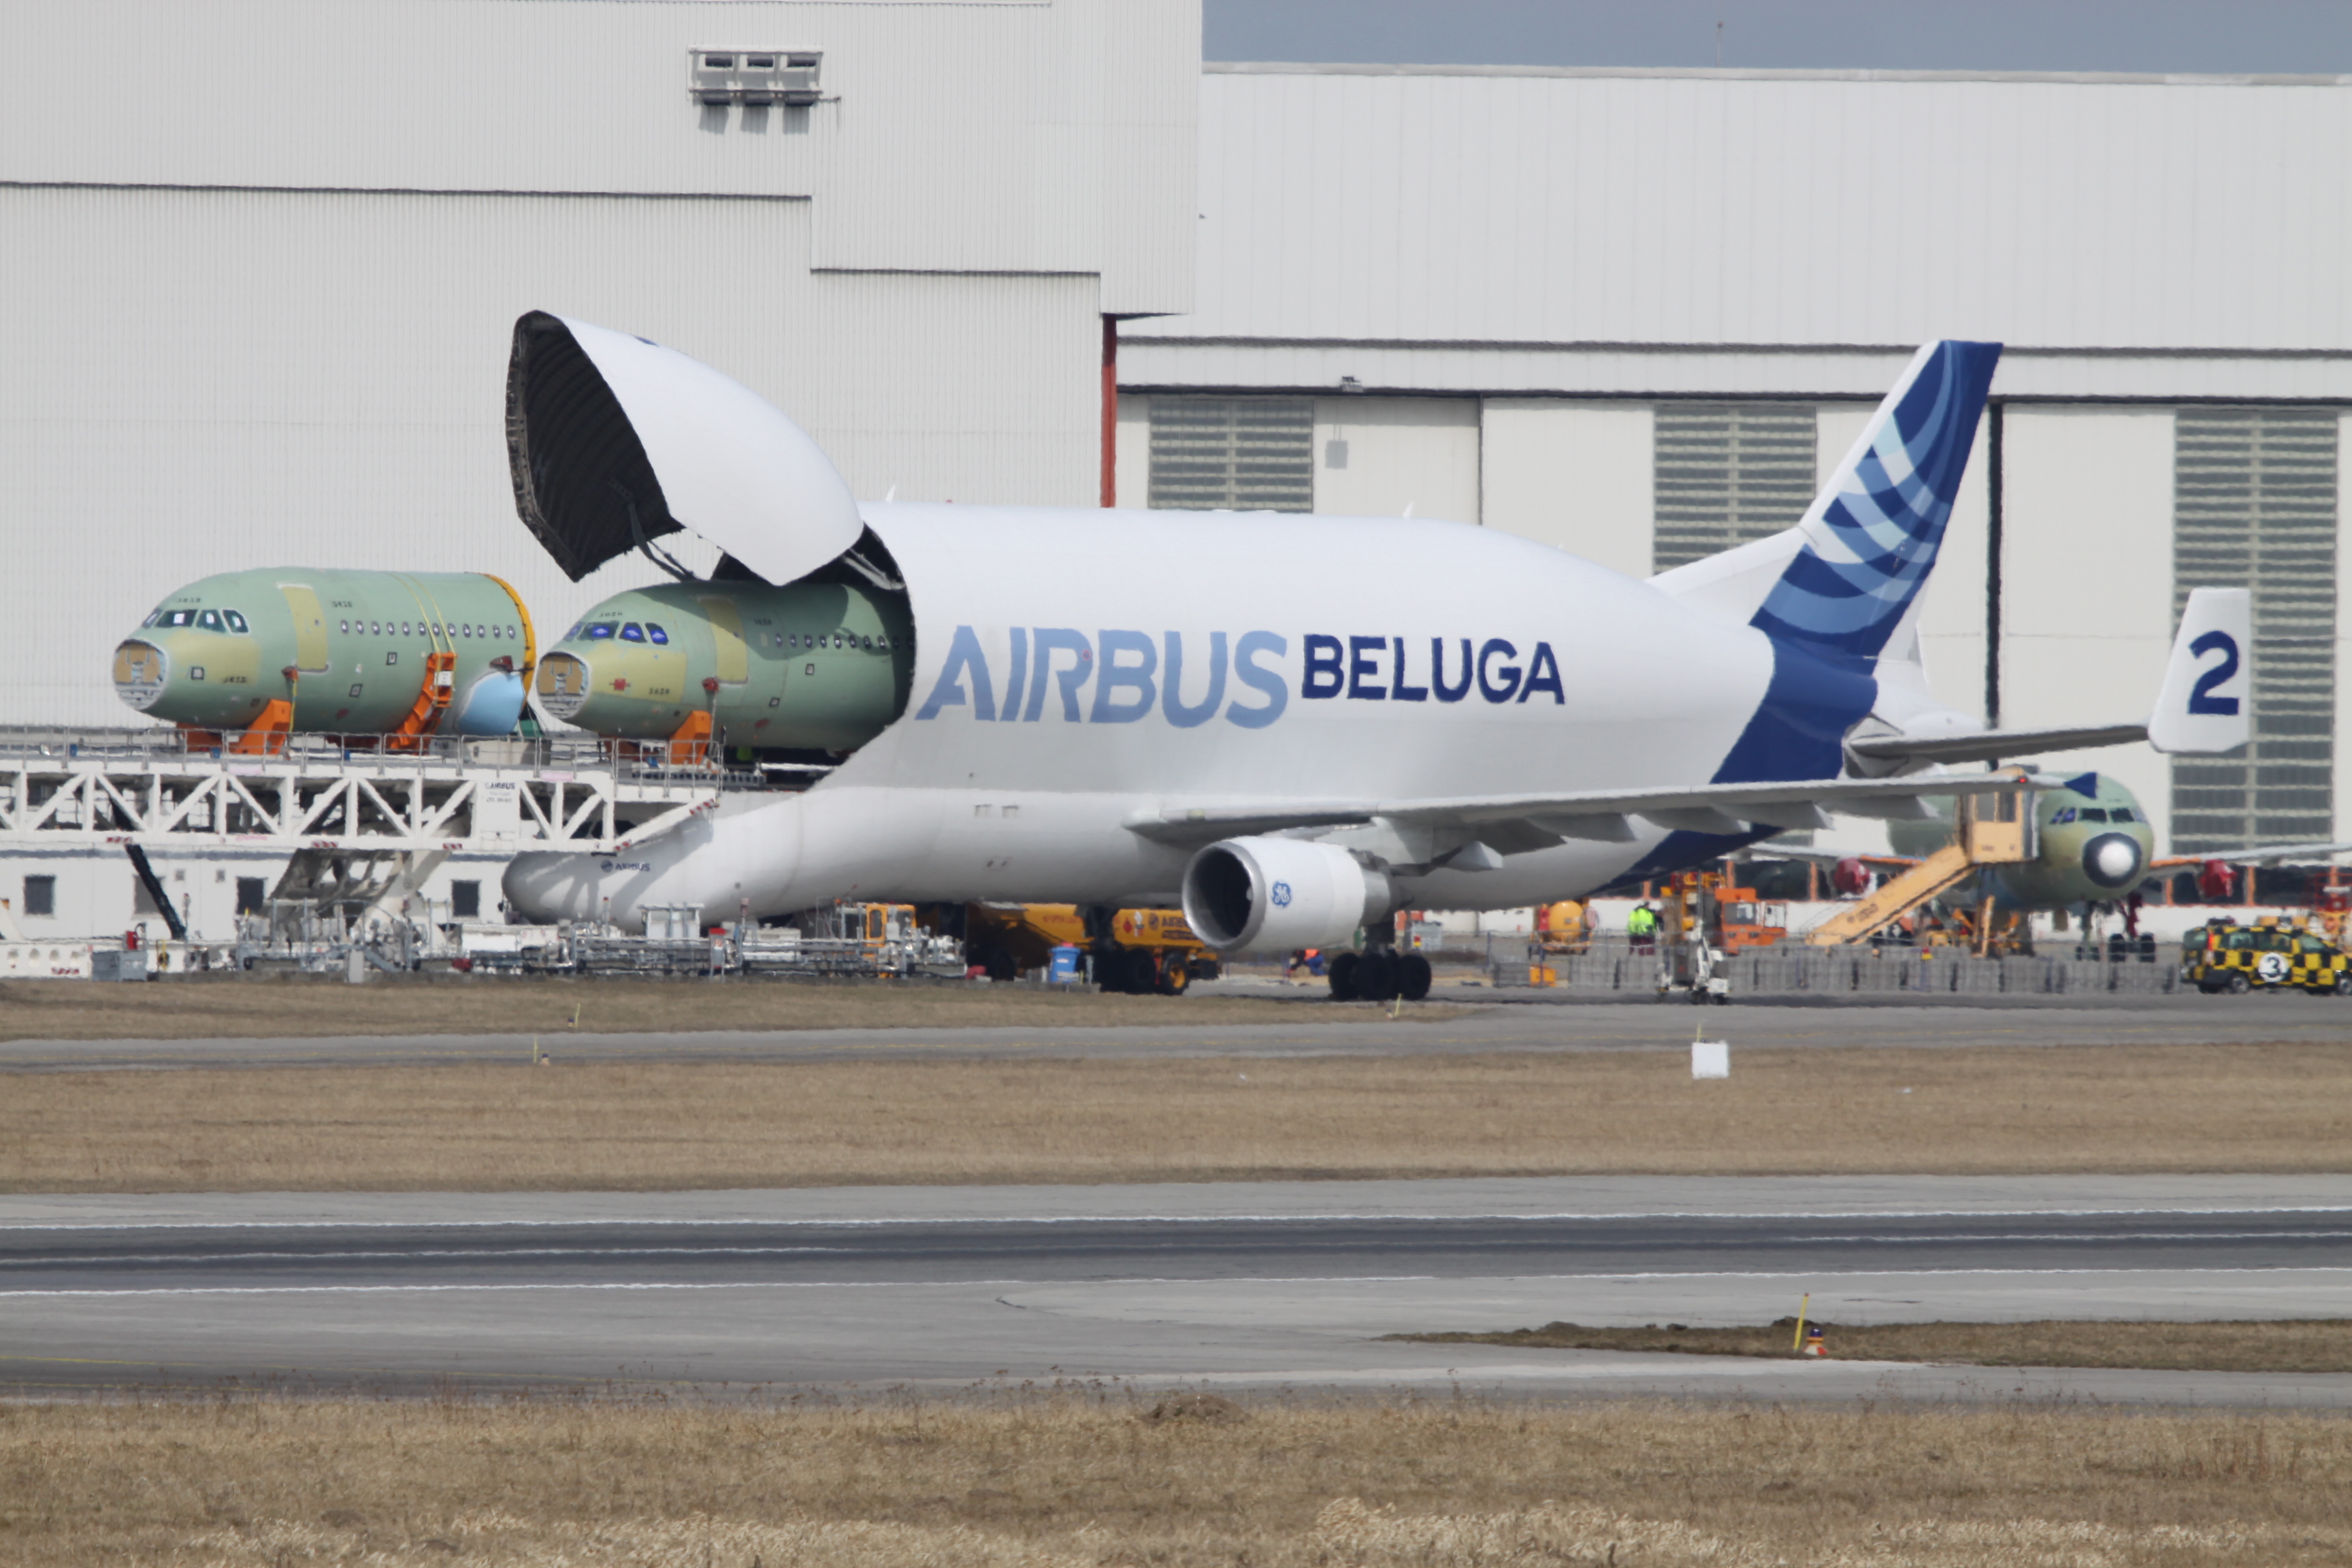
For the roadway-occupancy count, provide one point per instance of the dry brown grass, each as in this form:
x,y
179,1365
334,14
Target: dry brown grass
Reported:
x,y
277,1007
656,1125
2317,1345
259,1484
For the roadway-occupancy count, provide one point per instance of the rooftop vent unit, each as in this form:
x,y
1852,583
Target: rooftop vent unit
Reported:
x,y
757,76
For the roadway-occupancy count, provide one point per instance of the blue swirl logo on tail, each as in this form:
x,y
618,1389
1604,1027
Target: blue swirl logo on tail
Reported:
x,y
1871,536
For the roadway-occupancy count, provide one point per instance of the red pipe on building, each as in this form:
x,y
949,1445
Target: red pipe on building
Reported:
x,y
1110,411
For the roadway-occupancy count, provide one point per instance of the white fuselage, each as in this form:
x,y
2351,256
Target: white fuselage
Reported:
x,y
1010,779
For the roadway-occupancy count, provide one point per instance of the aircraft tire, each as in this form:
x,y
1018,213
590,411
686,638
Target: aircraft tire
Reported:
x,y
1375,980
1175,978
1412,976
2240,985
1342,973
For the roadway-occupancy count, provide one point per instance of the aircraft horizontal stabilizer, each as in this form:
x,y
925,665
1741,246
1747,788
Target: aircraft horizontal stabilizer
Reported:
x,y
1515,824
1991,745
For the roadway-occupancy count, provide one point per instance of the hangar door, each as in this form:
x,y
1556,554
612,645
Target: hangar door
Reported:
x,y
2254,506
1726,473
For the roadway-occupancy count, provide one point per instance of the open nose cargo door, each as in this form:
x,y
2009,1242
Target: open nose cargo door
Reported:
x,y
614,441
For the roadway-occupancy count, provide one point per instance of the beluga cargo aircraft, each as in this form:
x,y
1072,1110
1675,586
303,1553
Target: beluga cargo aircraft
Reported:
x,y
1258,715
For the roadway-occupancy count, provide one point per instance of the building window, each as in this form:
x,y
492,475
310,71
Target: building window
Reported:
x,y
40,895
1725,473
466,900
1238,454
252,896
2254,506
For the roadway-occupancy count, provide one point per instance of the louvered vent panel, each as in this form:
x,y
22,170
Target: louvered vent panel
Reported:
x,y
1726,473
2254,506
1242,453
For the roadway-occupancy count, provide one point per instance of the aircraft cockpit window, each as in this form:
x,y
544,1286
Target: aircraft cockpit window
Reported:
x,y
655,636
2094,814
235,622
2063,815
573,633
176,617
601,630
208,621
2122,814
633,633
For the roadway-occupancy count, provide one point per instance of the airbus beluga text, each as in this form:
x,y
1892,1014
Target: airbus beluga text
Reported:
x,y
1291,724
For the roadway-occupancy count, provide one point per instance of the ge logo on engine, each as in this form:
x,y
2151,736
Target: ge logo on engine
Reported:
x,y
1280,894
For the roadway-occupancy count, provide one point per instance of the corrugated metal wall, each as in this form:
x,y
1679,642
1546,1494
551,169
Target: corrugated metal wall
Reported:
x,y
1461,210
214,380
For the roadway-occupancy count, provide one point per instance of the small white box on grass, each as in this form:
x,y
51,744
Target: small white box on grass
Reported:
x,y
1710,1059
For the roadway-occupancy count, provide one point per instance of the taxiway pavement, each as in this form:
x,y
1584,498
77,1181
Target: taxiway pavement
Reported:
x,y
1251,1284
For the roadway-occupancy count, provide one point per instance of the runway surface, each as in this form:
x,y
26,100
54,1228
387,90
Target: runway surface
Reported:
x,y
1325,1030
1288,1284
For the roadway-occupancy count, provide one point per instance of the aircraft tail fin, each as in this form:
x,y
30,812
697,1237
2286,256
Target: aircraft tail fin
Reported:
x,y
2204,708
1847,578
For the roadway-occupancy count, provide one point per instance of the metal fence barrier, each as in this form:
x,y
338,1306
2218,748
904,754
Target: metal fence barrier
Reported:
x,y
1614,964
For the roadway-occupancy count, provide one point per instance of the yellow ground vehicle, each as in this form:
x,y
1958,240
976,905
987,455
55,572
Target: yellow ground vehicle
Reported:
x,y
1141,950
2271,954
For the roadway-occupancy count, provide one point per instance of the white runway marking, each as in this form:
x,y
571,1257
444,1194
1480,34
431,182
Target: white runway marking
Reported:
x,y
1129,1281
594,1221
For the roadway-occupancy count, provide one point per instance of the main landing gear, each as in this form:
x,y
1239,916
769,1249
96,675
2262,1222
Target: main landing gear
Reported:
x,y
1382,974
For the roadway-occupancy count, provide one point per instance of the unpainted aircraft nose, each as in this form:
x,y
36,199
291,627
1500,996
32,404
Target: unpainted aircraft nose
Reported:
x,y
564,684
2112,859
141,673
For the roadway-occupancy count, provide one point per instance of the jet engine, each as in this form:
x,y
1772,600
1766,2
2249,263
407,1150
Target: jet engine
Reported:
x,y
1277,895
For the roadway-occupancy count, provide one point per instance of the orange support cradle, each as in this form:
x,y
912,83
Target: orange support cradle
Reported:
x,y
432,701
690,742
266,736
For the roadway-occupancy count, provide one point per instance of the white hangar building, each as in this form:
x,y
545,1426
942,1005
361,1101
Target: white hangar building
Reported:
x,y
1637,313
263,262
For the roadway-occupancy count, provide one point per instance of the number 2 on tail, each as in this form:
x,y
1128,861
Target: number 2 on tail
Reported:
x,y
2201,698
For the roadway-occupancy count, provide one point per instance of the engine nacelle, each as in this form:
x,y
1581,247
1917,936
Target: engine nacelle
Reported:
x,y
1277,895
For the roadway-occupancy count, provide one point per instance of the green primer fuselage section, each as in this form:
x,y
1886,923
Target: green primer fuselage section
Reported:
x,y
357,641
808,665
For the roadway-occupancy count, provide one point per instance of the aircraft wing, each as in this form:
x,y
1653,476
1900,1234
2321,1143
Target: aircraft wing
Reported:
x,y
2261,854
1513,824
1990,745
1829,857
